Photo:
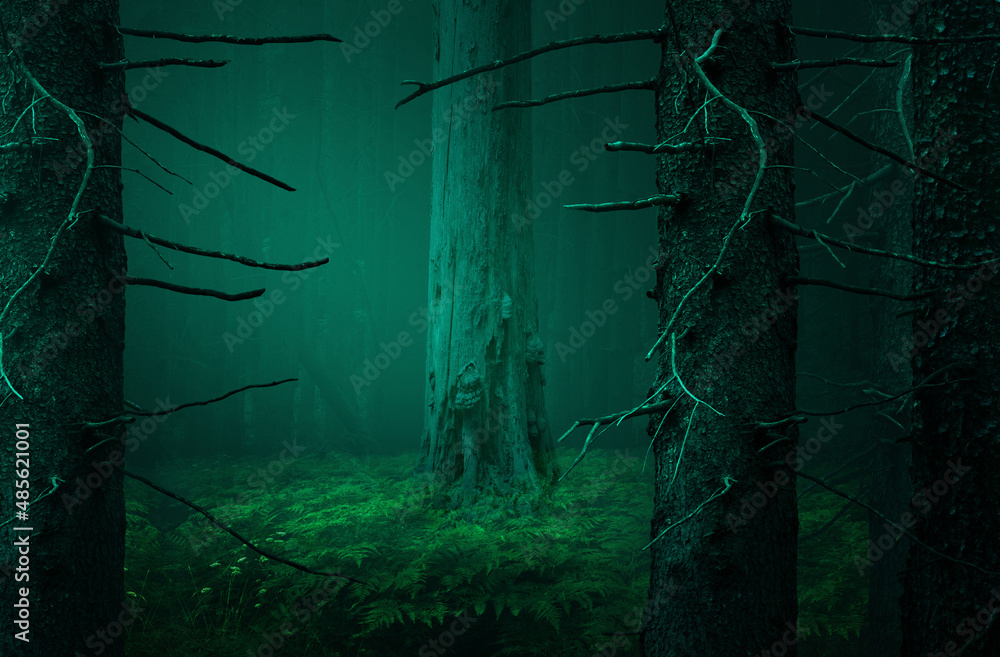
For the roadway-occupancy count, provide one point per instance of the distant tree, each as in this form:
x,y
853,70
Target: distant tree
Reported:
x,y
485,425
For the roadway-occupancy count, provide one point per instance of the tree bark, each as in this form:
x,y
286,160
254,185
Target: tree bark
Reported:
x,y
891,488
724,578
64,335
485,423
954,439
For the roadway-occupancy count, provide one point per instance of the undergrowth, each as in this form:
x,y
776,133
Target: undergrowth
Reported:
x,y
555,580
561,576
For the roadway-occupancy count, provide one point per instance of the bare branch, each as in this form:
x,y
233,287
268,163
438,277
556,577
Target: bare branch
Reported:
x,y
138,234
137,147
650,149
225,38
923,384
848,189
208,149
819,63
195,291
641,204
116,166
231,532
579,93
913,296
897,527
826,239
645,409
426,87
889,154
126,65
892,38
168,411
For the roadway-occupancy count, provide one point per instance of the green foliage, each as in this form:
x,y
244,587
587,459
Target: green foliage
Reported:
x,y
548,578
833,594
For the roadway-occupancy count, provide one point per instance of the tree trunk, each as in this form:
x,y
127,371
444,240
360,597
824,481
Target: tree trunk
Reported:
x,y
946,606
724,573
63,336
485,423
891,488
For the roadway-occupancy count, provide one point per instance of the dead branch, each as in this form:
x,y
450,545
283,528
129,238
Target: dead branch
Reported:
x,y
843,61
137,147
920,386
897,527
121,168
645,409
892,38
126,65
194,291
174,409
230,531
641,204
651,149
856,289
176,246
889,154
426,87
225,38
826,239
208,149
647,85
848,189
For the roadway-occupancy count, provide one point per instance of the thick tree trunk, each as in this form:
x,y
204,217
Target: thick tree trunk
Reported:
x,y
724,574
63,336
485,423
947,605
